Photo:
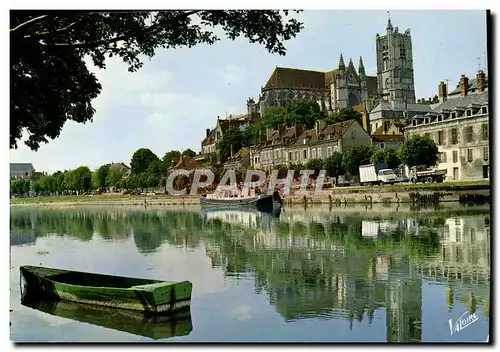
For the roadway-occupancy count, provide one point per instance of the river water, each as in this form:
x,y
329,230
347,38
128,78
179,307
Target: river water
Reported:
x,y
322,274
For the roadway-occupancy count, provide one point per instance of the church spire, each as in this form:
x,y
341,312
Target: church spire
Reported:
x,y
341,63
361,68
351,65
389,24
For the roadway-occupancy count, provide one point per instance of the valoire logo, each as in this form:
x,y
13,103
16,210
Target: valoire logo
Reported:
x,y
462,322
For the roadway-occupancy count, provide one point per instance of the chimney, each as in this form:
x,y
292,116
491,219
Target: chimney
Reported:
x,y
464,85
480,81
318,126
281,130
208,131
442,93
269,133
299,129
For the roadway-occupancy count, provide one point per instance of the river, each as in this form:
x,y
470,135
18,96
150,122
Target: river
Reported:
x,y
322,274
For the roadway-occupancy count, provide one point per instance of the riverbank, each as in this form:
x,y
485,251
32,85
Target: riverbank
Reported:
x,y
405,193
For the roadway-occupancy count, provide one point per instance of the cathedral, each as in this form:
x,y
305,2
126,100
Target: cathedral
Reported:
x,y
345,86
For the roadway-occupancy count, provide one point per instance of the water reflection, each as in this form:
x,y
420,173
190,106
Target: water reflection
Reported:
x,y
154,327
322,264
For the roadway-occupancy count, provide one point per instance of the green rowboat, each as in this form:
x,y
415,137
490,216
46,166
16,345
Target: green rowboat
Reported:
x,y
153,297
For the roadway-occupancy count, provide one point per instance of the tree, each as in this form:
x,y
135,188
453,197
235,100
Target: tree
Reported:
x,y
356,156
315,164
112,178
418,151
386,155
231,141
189,152
81,178
50,82
344,115
305,112
273,116
170,157
101,174
141,160
334,166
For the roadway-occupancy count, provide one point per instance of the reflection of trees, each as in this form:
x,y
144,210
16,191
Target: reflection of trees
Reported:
x,y
319,268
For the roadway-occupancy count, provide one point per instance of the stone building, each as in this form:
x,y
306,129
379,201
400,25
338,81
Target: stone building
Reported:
x,y
340,88
213,136
395,80
460,127
295,144
20,170
239,160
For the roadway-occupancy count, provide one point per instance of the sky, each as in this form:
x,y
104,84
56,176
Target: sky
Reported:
x,y
170,102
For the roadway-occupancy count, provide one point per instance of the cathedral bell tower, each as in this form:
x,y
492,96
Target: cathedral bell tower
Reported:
x,y
395,77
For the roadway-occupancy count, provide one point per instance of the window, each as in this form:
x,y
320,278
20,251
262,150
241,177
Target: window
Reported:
x,y
297,155
455,173
455,156
469,112
353,134
305,153
313,153
469,155
484,131
319,153
484,110
426,120
485,153
468,134
414,122
453,115
440,138
442,157
454,136
382,145
290,156
328,151
440,118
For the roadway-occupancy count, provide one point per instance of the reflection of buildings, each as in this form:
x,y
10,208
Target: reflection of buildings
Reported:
x,y
465,252
404,303
377,228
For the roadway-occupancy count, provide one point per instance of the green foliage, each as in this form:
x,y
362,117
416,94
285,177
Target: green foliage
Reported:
x,y
189,152
18,186
233,137
100,176
141,160
81,178
418,150
251,135
112,178
386,155
50,81
334,166
316,165
344,115
356,156
170,157
305,112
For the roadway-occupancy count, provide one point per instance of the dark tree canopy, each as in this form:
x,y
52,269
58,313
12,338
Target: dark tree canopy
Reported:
x,y
344,115
419,151
386,155
189,152
171,157
333,165
141,160
356,156
50,82
231,142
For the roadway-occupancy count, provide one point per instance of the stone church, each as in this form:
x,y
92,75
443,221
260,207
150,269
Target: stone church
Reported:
x,y
340,88
392,87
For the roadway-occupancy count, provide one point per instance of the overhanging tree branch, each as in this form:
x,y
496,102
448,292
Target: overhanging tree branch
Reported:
x,y
28,22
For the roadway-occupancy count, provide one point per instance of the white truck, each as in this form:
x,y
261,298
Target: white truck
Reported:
x,y
377,174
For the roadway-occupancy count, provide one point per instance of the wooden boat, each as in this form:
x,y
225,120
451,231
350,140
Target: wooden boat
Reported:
x,y
129,321
232,196
150,296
